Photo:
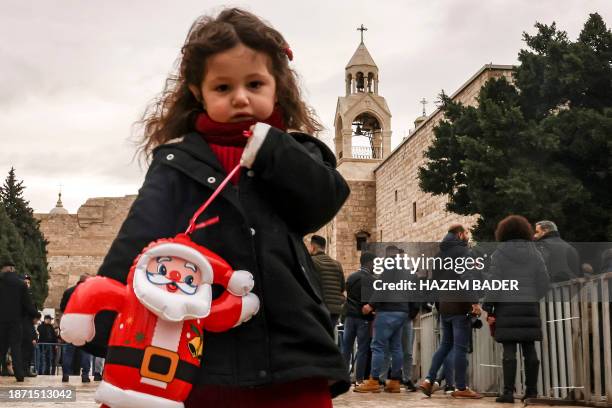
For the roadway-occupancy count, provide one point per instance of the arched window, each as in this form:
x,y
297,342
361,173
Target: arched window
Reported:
x,y
365,127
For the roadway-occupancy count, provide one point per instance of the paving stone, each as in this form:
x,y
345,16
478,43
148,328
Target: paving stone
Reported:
x,y
85,395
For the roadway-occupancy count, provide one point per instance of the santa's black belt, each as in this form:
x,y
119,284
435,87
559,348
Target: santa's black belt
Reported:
x,y
153,362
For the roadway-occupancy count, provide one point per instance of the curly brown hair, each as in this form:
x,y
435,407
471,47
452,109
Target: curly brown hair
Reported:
x,y
514,227
171,115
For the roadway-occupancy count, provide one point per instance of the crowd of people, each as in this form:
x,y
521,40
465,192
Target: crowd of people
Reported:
x,y
29,346
383,329
381,359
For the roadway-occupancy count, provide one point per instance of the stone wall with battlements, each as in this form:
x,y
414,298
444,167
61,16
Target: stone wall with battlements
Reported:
x,y
78,242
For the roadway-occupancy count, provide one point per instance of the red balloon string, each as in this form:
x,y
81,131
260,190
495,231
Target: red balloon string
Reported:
x,y
192,223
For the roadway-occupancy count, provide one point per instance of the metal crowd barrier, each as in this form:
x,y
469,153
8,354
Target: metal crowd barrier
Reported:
x,y
575,352
56,356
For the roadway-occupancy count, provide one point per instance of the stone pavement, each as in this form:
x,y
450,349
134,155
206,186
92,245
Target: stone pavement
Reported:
x,y
85,393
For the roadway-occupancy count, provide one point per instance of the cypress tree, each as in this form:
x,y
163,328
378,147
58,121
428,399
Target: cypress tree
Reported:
x,y
31,258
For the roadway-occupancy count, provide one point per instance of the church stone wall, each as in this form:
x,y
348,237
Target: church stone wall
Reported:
x,y
79,242
397,186
358,214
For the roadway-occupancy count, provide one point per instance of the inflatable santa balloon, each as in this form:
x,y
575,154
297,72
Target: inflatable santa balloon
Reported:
x,y
157,338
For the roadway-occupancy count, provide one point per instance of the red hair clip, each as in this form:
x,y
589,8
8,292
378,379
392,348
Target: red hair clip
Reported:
x,y
289,53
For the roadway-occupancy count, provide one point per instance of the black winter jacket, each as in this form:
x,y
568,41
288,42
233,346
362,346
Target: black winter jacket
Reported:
x,y
46,333
28,332
356,295
518,314
452,303
292,189
562,259
15,300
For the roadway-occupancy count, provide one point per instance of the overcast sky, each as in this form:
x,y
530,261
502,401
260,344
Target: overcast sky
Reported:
x,y
75,75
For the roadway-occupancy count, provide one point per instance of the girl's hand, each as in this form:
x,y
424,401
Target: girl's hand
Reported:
x,y
490,320
248,133
254,142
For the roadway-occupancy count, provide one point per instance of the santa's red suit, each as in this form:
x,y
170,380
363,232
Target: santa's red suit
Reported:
x,y
156,341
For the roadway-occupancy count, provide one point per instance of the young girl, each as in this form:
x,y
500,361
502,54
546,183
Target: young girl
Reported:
x,y
234,81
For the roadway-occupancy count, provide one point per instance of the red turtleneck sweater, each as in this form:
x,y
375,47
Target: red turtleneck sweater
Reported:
x,y
227,141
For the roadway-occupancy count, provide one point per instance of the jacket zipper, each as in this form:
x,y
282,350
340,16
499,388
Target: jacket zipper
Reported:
x,y
261,291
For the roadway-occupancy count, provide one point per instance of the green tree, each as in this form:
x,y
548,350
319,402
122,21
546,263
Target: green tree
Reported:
x,y
11,244
539,146
32,258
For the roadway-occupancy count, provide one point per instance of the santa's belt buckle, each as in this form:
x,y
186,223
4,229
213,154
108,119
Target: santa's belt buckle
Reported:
x,y
165,360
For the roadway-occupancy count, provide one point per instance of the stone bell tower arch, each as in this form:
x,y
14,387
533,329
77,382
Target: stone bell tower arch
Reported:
x,y
362,140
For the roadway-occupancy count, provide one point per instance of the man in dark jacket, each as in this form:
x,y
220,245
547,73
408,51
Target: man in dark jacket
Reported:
x,y
356,323
29,336
331,277
392,313
562,260
46,334
15,303
455,317
70,352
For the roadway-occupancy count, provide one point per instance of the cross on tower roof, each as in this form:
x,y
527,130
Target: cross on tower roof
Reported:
x,y
423,102
362,29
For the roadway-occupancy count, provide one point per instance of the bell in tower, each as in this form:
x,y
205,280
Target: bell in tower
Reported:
x,y
360,82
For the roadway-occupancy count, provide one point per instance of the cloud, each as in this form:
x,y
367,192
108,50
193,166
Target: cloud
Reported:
x,y
76,75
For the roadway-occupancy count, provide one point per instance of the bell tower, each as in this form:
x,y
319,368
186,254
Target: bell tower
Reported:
x,y
362,121
362,140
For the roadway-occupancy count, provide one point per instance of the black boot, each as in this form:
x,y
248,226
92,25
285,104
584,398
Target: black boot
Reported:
x,y
505,398
409,385
529,393
532,369
509,367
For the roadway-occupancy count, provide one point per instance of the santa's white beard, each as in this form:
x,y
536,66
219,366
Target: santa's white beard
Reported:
x,y
174,307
